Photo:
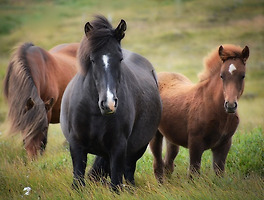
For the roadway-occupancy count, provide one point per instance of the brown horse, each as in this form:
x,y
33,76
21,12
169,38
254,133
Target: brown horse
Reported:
x,y
33,86
200,116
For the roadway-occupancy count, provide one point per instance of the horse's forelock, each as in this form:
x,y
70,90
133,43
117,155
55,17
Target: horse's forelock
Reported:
x,y
100,22
213,62
37,117
96,38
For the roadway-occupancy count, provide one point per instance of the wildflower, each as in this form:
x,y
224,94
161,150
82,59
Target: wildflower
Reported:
x,y
27,190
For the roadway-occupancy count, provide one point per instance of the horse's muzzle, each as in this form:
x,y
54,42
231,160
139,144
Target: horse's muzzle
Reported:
x,y
108,107
230,107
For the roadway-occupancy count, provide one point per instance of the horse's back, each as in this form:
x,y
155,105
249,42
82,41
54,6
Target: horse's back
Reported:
x,y
69,49
139,66
173,81
60,64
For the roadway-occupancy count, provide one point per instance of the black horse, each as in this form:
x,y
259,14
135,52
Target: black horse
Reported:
x,y
111,108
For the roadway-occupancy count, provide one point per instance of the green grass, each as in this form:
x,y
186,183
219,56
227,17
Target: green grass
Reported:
x,y
175,35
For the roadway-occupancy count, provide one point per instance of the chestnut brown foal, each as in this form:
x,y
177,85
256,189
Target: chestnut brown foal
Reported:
x,y
200,116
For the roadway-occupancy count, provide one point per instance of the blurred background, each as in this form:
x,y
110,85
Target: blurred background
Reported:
x,y
175,35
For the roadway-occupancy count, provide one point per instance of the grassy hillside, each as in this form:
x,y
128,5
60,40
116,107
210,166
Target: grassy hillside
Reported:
x,y
175,35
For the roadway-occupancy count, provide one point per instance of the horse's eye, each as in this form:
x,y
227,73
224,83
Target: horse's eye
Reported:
x,y
242,77
221,76
121,59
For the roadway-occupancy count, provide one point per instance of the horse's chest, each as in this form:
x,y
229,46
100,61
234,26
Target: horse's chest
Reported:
x,y
95,141
212,138
217,135
97,133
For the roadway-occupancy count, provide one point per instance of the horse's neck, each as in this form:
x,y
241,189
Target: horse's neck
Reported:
x,y
40,75
213,91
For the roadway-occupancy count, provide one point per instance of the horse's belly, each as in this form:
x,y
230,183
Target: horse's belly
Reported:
x,y
92,142
176,134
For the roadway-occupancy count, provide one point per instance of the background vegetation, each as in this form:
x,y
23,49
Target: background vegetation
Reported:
x,y
174,35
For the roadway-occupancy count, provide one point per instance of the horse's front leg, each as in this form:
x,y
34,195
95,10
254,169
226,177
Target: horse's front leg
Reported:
x,y
131,165
196,150
117,163
79,160
219,157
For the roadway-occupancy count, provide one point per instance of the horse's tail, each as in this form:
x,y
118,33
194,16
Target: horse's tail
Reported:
x,y
19,90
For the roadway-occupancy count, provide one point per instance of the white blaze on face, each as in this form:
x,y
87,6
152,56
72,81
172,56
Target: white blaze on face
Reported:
x,y
105,60
232,68
109,95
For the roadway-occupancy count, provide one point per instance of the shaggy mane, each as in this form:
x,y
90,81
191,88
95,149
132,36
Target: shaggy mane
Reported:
x,y
18,87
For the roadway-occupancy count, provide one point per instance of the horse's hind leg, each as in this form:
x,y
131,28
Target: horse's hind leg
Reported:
x,y
100,169
131,165
219,157
79,160
171,153
156,149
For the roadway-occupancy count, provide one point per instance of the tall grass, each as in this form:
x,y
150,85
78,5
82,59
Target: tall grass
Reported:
x,y
174,35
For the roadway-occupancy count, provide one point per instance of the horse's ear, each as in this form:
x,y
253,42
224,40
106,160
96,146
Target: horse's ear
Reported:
x,y
49,104
120,30
245,54
87,28
30,104
221,53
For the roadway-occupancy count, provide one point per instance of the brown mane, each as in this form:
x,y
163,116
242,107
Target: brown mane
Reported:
x,y
20,81
212,63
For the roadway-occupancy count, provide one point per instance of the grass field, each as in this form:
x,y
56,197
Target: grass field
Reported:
x,y
175,35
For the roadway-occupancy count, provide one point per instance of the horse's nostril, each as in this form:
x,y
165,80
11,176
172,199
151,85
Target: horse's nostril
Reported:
x,y
230,105
103,105
116,101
